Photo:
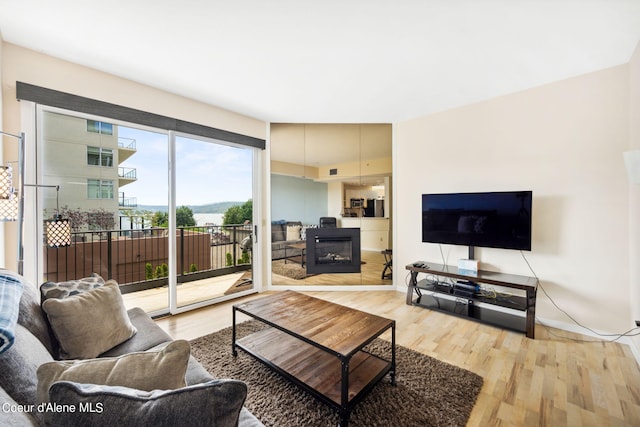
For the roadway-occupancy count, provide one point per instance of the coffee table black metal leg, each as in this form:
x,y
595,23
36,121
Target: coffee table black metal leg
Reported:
x,y
393,354
233,334
344,410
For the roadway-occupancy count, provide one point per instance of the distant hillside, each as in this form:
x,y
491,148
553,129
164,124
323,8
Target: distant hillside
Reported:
x,y
219,207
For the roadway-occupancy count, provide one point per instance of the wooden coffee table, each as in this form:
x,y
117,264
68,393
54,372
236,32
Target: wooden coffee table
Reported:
x,y
318,345
300,259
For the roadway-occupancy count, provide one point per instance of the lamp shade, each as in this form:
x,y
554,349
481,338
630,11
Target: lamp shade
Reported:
x,y
9,209
6,183
58,232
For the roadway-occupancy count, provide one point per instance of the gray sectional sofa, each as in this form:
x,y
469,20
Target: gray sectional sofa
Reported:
x,y
285,233
28,353
279,240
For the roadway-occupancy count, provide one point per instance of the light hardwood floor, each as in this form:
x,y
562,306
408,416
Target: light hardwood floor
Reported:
x,y
549,381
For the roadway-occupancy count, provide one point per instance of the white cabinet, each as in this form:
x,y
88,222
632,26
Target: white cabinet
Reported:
x,y
374,232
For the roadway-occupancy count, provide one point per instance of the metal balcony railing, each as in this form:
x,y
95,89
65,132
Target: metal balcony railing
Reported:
x,y
128,143
138,259
127,202
127,173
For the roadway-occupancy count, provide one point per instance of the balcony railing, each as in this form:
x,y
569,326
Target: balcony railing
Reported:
x,y
127,202
128,143
127,173
138,259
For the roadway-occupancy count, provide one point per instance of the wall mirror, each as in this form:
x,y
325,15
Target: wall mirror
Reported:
x,y
331,204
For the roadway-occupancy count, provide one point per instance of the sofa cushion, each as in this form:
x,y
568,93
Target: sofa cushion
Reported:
x,y
10,294
19,364
89,323
33,318
14,415
162,369
214,403
149,335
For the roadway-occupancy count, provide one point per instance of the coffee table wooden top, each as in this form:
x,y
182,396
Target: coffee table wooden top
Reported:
x,y
336,328
298,246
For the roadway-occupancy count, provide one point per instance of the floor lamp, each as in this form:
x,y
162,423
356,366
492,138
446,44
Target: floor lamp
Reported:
x,y
12,201
12,205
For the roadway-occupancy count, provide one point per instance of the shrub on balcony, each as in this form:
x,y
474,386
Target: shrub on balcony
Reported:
x,y
148,271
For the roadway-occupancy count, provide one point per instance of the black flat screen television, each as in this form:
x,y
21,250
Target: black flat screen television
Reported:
x,y
491,219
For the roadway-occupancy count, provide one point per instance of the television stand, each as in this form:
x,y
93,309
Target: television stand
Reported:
x,y
511,312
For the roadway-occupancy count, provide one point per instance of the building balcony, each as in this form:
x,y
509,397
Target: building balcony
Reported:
x,y
127,176
126,148
127,202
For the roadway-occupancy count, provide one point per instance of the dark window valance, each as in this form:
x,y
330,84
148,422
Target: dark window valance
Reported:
x,y
67,101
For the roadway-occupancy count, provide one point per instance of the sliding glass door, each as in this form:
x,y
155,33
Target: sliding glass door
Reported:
x,y
168,216
213,218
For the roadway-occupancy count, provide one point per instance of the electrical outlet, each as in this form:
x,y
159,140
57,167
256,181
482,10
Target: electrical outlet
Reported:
x,y
638,323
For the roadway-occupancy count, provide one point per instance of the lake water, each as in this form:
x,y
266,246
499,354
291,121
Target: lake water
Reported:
x,y
208,218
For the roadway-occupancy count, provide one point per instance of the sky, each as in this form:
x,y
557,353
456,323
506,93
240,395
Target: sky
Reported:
x,y
205,172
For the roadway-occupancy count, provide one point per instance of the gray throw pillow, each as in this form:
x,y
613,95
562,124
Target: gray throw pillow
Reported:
x,y
89,323
214,403
144,370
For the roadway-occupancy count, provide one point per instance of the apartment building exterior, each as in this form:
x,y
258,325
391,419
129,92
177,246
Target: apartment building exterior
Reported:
x,y
83,157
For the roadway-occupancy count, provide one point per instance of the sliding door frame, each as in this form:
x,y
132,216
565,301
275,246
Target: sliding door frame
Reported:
x,y
36,100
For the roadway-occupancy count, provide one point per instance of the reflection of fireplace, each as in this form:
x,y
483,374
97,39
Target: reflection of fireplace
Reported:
x,y
333,250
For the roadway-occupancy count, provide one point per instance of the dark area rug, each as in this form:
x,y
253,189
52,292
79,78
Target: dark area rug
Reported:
x,y
244,283
289,269
428,392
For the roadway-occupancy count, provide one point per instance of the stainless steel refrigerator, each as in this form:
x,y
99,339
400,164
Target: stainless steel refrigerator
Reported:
x,y
374,207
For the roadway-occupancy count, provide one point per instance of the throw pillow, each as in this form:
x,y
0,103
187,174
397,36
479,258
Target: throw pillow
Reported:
x,y
89,323
162,369
70,287
214,403
303,231
293,232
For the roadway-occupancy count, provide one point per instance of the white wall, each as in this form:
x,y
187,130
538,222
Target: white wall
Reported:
x,y
565,142
2,254
634,192
19,64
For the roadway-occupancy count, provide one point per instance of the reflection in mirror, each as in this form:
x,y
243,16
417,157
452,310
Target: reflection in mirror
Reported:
x,y
331,204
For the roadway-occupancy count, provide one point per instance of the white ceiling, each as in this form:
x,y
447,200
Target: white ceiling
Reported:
x,y
331,61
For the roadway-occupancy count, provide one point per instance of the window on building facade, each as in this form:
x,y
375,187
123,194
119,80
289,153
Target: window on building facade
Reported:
x,y
100,189
97,156
95,126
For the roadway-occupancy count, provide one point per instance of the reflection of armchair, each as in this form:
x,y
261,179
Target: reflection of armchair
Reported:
x,y
328,222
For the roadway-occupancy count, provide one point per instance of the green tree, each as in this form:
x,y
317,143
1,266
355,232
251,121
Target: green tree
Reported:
x,y
160,219
184,217
238,214
139,217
